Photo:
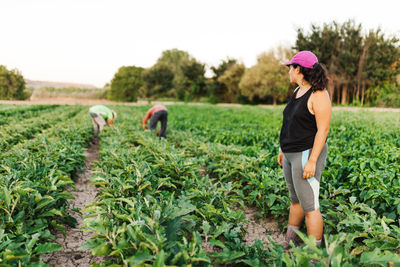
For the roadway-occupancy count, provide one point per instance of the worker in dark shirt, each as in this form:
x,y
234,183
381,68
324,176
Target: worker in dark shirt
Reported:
x,y
157,113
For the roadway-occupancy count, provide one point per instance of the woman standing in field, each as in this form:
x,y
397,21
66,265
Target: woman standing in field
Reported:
x,y
303,147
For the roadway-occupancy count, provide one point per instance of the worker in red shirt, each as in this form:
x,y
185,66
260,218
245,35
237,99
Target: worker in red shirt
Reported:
x,y
156,113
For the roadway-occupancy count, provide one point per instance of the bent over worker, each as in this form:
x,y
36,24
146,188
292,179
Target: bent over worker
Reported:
x,y
157,113
101,116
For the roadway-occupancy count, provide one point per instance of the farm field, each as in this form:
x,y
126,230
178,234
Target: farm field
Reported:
x,y
182,201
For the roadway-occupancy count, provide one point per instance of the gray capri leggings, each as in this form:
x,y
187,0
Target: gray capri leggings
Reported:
x,y
305,191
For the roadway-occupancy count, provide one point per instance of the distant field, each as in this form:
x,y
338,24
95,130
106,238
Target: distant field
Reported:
x,y
181,201
73,92
43,84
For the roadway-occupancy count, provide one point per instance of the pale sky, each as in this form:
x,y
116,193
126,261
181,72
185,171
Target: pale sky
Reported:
x,y
86,41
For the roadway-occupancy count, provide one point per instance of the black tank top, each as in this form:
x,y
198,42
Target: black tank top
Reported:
x,y
299,126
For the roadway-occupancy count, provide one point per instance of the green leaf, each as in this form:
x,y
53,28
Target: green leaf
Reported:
x,y
376,257
32,242
101,250
139,258
386,229
215,242
252,262
44,202
205,227
173,226
6,196
47,248
51,213
201,258
160,260
143,186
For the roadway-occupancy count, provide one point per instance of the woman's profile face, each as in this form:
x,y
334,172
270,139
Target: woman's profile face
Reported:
x,y
292,74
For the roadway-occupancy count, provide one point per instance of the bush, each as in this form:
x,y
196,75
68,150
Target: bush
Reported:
x,y
389,96
126,84
12,85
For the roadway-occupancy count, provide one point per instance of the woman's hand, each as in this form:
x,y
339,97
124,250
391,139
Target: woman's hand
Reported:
x,y
280,158
309,169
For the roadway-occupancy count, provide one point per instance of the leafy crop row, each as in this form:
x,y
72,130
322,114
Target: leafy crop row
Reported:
x,y
13,115
27,129
33,178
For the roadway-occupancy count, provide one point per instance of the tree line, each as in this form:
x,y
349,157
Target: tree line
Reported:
x,y
363,70
178,75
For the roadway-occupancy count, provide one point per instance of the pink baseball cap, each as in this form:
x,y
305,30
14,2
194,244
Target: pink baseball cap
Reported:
x,y
303,58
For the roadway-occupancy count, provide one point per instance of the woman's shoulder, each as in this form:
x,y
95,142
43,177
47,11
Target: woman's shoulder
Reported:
x,y
320,94
320,98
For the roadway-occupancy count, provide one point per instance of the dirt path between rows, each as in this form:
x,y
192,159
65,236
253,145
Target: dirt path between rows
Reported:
x,y
261,228
71,255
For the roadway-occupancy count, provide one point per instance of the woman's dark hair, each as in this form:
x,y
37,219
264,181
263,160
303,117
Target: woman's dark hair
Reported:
x,y
317,76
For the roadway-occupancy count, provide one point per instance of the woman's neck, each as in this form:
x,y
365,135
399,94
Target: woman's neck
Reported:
x,y
304,86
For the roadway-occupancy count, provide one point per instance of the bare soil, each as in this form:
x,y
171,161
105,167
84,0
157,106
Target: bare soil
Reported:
x,y
71,254
261,228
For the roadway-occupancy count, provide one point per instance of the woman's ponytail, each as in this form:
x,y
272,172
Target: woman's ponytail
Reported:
x,y
317,76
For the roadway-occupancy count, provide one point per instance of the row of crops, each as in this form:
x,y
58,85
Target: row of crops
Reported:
x,y
180,201
41,148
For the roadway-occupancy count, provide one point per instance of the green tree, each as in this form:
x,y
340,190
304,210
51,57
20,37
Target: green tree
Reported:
x,y
381,68
217,91
268,78
349,60
175,59
126,84
188,74
231,79
358,64
388,95
12,85
192,84
158,81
